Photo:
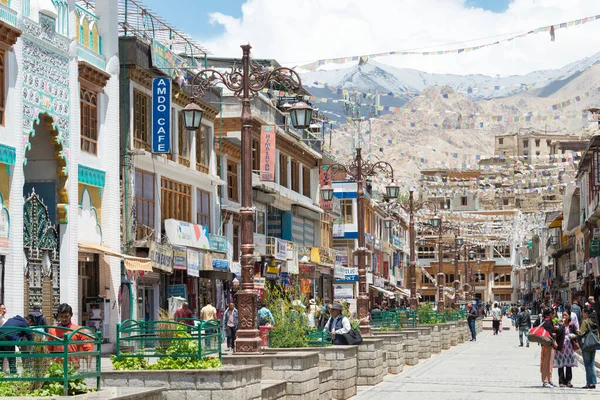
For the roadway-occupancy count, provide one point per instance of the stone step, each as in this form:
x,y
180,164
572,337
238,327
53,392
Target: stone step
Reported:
x,y
272,389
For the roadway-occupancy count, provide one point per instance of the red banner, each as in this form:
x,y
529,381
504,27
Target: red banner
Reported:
x,y
267,153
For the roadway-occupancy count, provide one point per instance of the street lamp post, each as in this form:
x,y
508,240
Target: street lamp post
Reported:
x,y
246,81
358,171
458,242
437,222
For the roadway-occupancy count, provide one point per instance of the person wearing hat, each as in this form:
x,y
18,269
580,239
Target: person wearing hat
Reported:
x,y
38,316
312,311
338,324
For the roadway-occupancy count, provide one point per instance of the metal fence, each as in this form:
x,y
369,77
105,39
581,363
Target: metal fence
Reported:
x,y
47,358
393,319
182,338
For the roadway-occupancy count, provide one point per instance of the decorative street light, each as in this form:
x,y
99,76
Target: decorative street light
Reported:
x,y
192,116
422,242
436,222
388,223
358,171
246,81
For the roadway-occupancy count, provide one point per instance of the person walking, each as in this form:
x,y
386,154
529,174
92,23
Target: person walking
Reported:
x,y
10,335
184,314
577,310
573,317
523,325
564,355
230,324
471,318
338,324
38,315
496,317
589,325
65,325
547,355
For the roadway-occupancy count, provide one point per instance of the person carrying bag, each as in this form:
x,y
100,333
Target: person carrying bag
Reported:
x,y
588,340
340,328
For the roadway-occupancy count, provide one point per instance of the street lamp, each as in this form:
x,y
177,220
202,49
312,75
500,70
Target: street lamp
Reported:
x,y
327,192
192,116
246,80
436,222
422,242
388,223
358,171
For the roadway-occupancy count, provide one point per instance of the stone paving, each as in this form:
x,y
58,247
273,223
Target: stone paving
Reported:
x,y
493,367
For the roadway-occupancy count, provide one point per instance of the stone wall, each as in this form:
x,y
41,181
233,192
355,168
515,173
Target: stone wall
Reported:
x,y
112,393
424,341
411,347
393,344
445,336
300,370
453,333
227,382
370,362
325,383
436,339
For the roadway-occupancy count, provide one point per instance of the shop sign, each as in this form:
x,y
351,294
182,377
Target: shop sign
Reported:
x,y
193,263
273,268
236,268
396,241
179,258
4,227
165,60
218,243
221,265
259,282
182,233
369,278
267,153
379,281
176,291
162,256
342,256
292,264
350,275
161,115
315,257
338,230
285,279
343,292
280,249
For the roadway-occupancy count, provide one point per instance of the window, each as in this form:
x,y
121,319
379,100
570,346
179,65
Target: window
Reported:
x,y
505,201
537,153
479,277
525,143
306,181
537,142
501,278
426,252
501,251
203,149
425,280
295,176
548,142
176,200
346,206
259,223
255,155
232,181
141,119
203,208
426,298
449,278
283,170
464,201
183,142
144,203
500,140
236,242
89,121
326,231
447,206
525,154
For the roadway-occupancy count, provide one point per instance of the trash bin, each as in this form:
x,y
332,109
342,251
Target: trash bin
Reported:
x,y
263,331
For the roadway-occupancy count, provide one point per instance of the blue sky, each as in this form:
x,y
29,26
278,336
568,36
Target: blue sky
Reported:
x,y
497,6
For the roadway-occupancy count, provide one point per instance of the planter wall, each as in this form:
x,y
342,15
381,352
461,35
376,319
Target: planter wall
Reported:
x,y
445,336
424,341
453,333
325,383
300,371
370,362
393,344
411,347
436,339
222,383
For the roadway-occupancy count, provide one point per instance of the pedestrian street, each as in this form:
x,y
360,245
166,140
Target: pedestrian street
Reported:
x,y
493,367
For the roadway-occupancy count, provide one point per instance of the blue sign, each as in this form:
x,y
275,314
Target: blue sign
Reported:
x,y
350,275
161,115
218,243
176,291
222,265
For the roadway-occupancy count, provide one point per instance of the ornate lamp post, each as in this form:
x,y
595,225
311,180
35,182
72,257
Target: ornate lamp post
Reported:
x,y
437,222
246,81
458,242
358,171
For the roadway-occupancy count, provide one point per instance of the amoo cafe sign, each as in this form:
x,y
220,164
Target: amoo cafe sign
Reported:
x,y
161,115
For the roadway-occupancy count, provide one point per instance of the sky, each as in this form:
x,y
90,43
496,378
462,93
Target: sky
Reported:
x,y
301,31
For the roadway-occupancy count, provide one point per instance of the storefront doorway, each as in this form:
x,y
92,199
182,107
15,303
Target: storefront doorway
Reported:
x,y
89,282
145,303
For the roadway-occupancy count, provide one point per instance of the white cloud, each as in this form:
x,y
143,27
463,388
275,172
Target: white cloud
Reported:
x,y
307,30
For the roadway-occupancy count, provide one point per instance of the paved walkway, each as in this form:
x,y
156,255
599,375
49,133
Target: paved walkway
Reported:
x,y
493,367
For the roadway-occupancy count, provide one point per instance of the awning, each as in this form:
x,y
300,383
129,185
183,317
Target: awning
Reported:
x,y
386,292
131,263
402,292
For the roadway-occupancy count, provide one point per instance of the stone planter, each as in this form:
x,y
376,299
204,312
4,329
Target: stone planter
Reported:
x,y
445,336
411,346
393,344
479,325
370,362
300,371
436,339
453,333
424,341
325,383
343,360
222,383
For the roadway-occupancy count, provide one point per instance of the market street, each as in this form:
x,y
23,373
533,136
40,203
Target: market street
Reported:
x,y
493,367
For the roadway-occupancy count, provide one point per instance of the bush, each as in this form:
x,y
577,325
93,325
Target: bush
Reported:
x,y
49,388
290,319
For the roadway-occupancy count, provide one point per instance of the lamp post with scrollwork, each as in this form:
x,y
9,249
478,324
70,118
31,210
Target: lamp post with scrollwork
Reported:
x,y
437,222
358,171
246,81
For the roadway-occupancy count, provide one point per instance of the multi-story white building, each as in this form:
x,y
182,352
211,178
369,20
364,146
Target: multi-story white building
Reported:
x,y
59,91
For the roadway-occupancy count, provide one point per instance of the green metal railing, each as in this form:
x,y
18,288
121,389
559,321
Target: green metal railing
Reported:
x,y
319,338
48,358
149,339
393,319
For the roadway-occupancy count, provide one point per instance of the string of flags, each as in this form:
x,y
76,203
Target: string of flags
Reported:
x,y
543,29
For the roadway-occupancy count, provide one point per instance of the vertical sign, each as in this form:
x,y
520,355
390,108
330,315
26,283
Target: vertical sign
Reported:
x,y
161,115
267,153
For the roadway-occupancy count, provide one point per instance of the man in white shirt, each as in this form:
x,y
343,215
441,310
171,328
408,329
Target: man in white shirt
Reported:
x,y
338,324
497,317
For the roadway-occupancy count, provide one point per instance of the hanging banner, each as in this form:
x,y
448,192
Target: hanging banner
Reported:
x,y
267,152
193,263
179,258
161,115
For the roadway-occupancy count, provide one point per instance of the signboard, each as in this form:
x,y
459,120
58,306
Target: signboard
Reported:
x,y
396,242
176,291
280,249
186,234
218,243
236,268
292,262
259,282
343,292
339,272
350,275
193,263
179,258
165,60
273,268
315,257
267,152
162,256
161,115
221,265
338,230
4,227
